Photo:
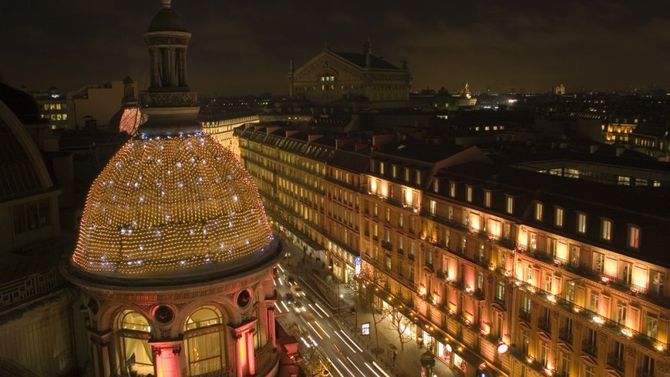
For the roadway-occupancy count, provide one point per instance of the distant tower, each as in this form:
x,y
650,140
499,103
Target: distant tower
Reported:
x,y
291,72
367,51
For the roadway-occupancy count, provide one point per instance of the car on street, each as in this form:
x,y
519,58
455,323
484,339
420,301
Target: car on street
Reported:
x,y
297,291
299,307
289,298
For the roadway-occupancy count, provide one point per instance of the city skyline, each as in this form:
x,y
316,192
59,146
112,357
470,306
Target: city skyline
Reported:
x,y
246,48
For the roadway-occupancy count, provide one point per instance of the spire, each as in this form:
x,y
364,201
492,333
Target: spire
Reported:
x,y
367,51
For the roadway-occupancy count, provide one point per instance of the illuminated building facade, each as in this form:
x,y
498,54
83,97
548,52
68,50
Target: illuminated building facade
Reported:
x,y
53,107
333,76
503,271
175,254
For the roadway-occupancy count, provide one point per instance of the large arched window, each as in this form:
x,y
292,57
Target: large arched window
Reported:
x,y
133,332
204,338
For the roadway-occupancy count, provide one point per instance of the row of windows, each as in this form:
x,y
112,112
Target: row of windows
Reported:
x,y
633,231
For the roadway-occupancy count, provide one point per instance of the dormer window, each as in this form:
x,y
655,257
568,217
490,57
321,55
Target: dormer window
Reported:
x,y
509,204
487,199
468,194
606,230
539,209
581,222
436,185
452,189
558,216
633,236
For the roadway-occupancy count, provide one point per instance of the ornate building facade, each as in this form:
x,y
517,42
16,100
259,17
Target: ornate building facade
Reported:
x,y
502,271
332,76
175,255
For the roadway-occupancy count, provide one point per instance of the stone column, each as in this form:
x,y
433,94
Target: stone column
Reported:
x,y
251,352
243,357
271,328
100,346
167,359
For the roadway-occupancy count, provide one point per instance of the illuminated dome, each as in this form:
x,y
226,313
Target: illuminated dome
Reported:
x,y
170,203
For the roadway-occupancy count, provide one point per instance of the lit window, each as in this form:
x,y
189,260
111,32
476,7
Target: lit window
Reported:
x,y
509,204
606,230
558,216
394,170
418,177
633,237
581,223
436,185
433,207
452,189
381,168
468,193
487,199
539,208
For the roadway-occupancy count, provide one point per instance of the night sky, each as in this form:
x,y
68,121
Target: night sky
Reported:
x,y
242,47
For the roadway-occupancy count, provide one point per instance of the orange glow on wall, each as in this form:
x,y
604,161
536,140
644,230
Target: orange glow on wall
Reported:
x,y
522,239
469,278
640,278
452,269
562,251
494,228
610,268
475,222
384,189
408,196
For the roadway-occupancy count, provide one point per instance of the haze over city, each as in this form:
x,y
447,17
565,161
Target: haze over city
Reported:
x,y
244,47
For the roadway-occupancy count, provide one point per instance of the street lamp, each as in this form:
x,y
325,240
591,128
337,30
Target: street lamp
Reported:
x,y
427,364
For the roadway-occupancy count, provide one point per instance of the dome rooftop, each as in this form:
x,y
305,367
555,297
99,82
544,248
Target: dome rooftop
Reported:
x,y
172,207
166,20
22,104
20,159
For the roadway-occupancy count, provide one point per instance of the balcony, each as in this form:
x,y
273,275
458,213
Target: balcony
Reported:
x,y
524,315
615,362
565,335
387,245
590,348
545,325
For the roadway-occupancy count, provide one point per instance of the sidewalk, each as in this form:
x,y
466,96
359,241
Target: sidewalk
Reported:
x,y
407,361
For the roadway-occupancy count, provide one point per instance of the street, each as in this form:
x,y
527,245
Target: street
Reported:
x,y
320,335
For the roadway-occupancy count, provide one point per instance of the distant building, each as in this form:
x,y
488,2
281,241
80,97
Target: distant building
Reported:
x,y
53,107
559,89
333,76
94,105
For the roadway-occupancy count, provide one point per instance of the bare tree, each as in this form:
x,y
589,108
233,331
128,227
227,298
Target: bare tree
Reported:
x,y
399,324
370,282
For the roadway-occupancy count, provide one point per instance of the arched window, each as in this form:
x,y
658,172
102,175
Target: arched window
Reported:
x,y
133,332
204,339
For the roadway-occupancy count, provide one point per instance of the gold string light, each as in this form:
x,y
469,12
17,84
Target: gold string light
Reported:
x,y
166,204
